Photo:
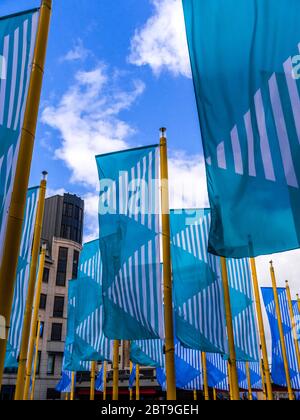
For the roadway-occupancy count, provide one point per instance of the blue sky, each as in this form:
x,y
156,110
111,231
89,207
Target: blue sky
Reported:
x,y
116,71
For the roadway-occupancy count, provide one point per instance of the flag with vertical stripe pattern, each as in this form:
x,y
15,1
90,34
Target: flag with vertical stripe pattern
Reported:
x,y
245,63
85,320
278,372
22,279
197,283
255,376
130,243
17,42
217,372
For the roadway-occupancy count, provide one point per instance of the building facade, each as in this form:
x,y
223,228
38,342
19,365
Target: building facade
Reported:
x,y
62,233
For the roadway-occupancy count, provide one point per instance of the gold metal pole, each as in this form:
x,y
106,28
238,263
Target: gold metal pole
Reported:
x,y
15,218
195,395
104,380
130,390
35,359
20,384
215,394
73,386
281,333
93,378
205,381
293,322
137,383
167,277
298,300
34,321
116,371
261,327
66,396
229,380
263,380
249,381
232,354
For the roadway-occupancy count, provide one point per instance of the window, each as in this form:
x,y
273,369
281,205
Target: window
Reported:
x,y
46,275
51,364
38,366
70,210
58,309
43,301
62,267
42,329
75,264
76,216
56,332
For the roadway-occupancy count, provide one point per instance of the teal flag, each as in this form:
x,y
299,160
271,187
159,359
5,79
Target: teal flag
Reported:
x,y
85,339
130,244
198,290
17,42
22,279
245,63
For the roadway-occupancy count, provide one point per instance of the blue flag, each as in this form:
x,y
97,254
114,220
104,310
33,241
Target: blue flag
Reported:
x,y
297,318
130,243
255,375
244,57
65,384
198,290
217,372
99,384
85,336
132,376
278,372
22,279
17,41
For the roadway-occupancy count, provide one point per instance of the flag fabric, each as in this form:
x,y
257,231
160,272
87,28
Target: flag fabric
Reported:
x,y
99,384
243,57
85,336
297,318
130,243
217,372
197,283
22,279
132,376
65,384
278,371
17,42
246,337
255,375
187,362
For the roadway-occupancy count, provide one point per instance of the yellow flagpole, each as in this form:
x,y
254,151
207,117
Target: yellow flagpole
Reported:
x,y
93,378
292,316
34,321
66,396
232,354
35,359
72,395
130,390
229,380
281,333
116,371
263,379
20,384
249,381
167,277
195,395
298,300
215,394
16,211
205,381
137,383
104,380
262,334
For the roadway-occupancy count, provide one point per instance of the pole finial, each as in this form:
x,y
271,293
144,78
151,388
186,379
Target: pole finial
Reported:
x,y
45,175
163,131
271,264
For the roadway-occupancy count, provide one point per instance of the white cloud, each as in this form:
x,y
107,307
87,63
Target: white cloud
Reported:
x,y
77,53
161,43
87,117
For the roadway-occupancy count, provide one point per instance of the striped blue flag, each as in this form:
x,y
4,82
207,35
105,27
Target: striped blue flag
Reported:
x,y
297,318
132,376
85,328
65,384
278,372
245,328
99,384
217,372
17,41
130,243
255,376
244,57
198,290
21,285
187,362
